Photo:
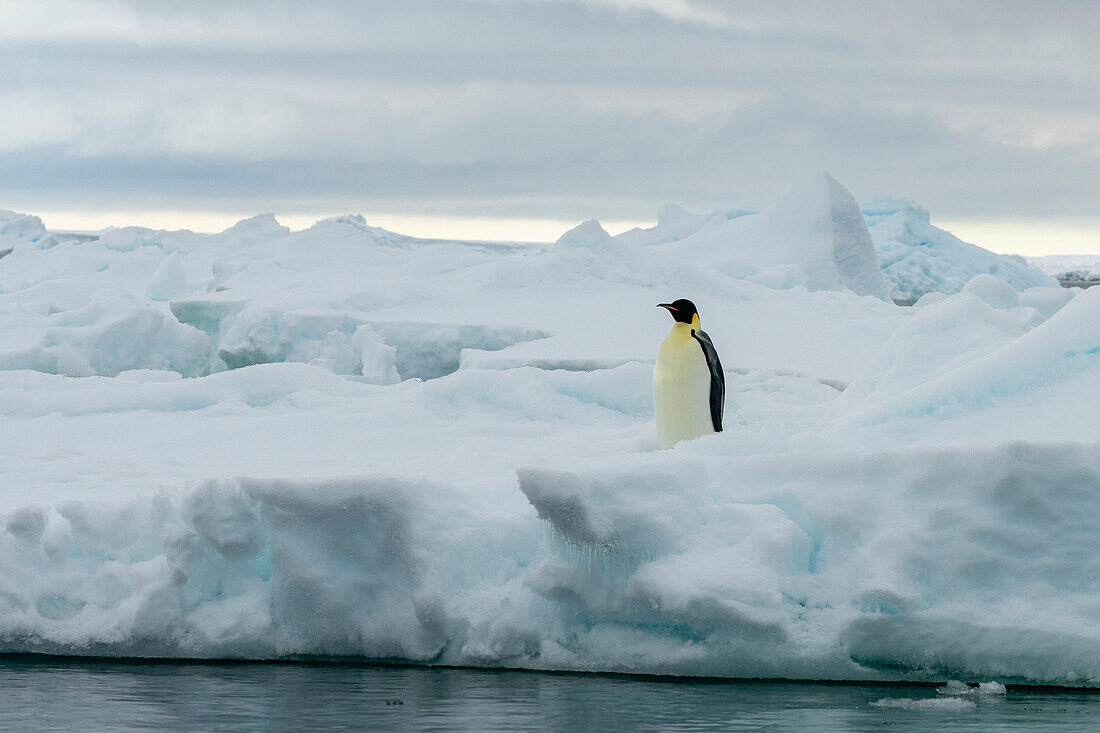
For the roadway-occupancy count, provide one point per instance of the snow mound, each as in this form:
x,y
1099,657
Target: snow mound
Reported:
x,y
586,234
1046,300
937,340
671,215
993,290
112,334
353,229
261,334
675,223
261,226
815,236
169,281
15,227
919,258
1039,385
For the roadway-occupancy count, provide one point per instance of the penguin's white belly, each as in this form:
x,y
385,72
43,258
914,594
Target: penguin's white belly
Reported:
x,y
681,392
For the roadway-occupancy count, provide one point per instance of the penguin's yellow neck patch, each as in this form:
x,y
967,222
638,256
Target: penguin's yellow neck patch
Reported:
x,y
684,330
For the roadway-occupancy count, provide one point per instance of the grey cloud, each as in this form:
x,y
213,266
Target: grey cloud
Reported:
x,y
560,109
588,164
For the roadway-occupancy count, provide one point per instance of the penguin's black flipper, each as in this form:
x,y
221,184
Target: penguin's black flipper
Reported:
x,y
717,378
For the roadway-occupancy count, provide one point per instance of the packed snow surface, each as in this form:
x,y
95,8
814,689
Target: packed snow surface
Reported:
x,y
346,442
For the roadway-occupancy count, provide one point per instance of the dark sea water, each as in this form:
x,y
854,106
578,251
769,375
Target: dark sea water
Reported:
x,y
57,694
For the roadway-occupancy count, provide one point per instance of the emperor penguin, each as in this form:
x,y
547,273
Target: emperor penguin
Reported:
x,y
689,387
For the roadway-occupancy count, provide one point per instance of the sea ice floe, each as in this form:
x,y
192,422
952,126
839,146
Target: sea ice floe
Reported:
x,y
942,704
348,442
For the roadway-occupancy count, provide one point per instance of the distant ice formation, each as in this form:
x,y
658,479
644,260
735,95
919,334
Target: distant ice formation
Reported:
x,y
919,258
815,237
1071,269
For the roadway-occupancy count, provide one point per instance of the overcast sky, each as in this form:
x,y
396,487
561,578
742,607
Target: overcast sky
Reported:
x,y
551,110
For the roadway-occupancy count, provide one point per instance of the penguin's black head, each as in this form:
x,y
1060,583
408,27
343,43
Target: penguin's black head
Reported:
x,y
682,310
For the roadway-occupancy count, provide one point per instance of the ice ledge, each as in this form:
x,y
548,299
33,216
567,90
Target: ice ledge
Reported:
x,y
920,564
923,564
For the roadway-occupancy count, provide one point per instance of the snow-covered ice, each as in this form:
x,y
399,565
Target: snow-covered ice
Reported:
x,y
815,237
954,697
343,441
982,689
918,257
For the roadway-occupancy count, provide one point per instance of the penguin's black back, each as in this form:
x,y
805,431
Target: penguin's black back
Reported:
x,y
717,378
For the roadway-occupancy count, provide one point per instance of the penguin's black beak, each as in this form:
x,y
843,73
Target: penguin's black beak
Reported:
x,y
671,308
